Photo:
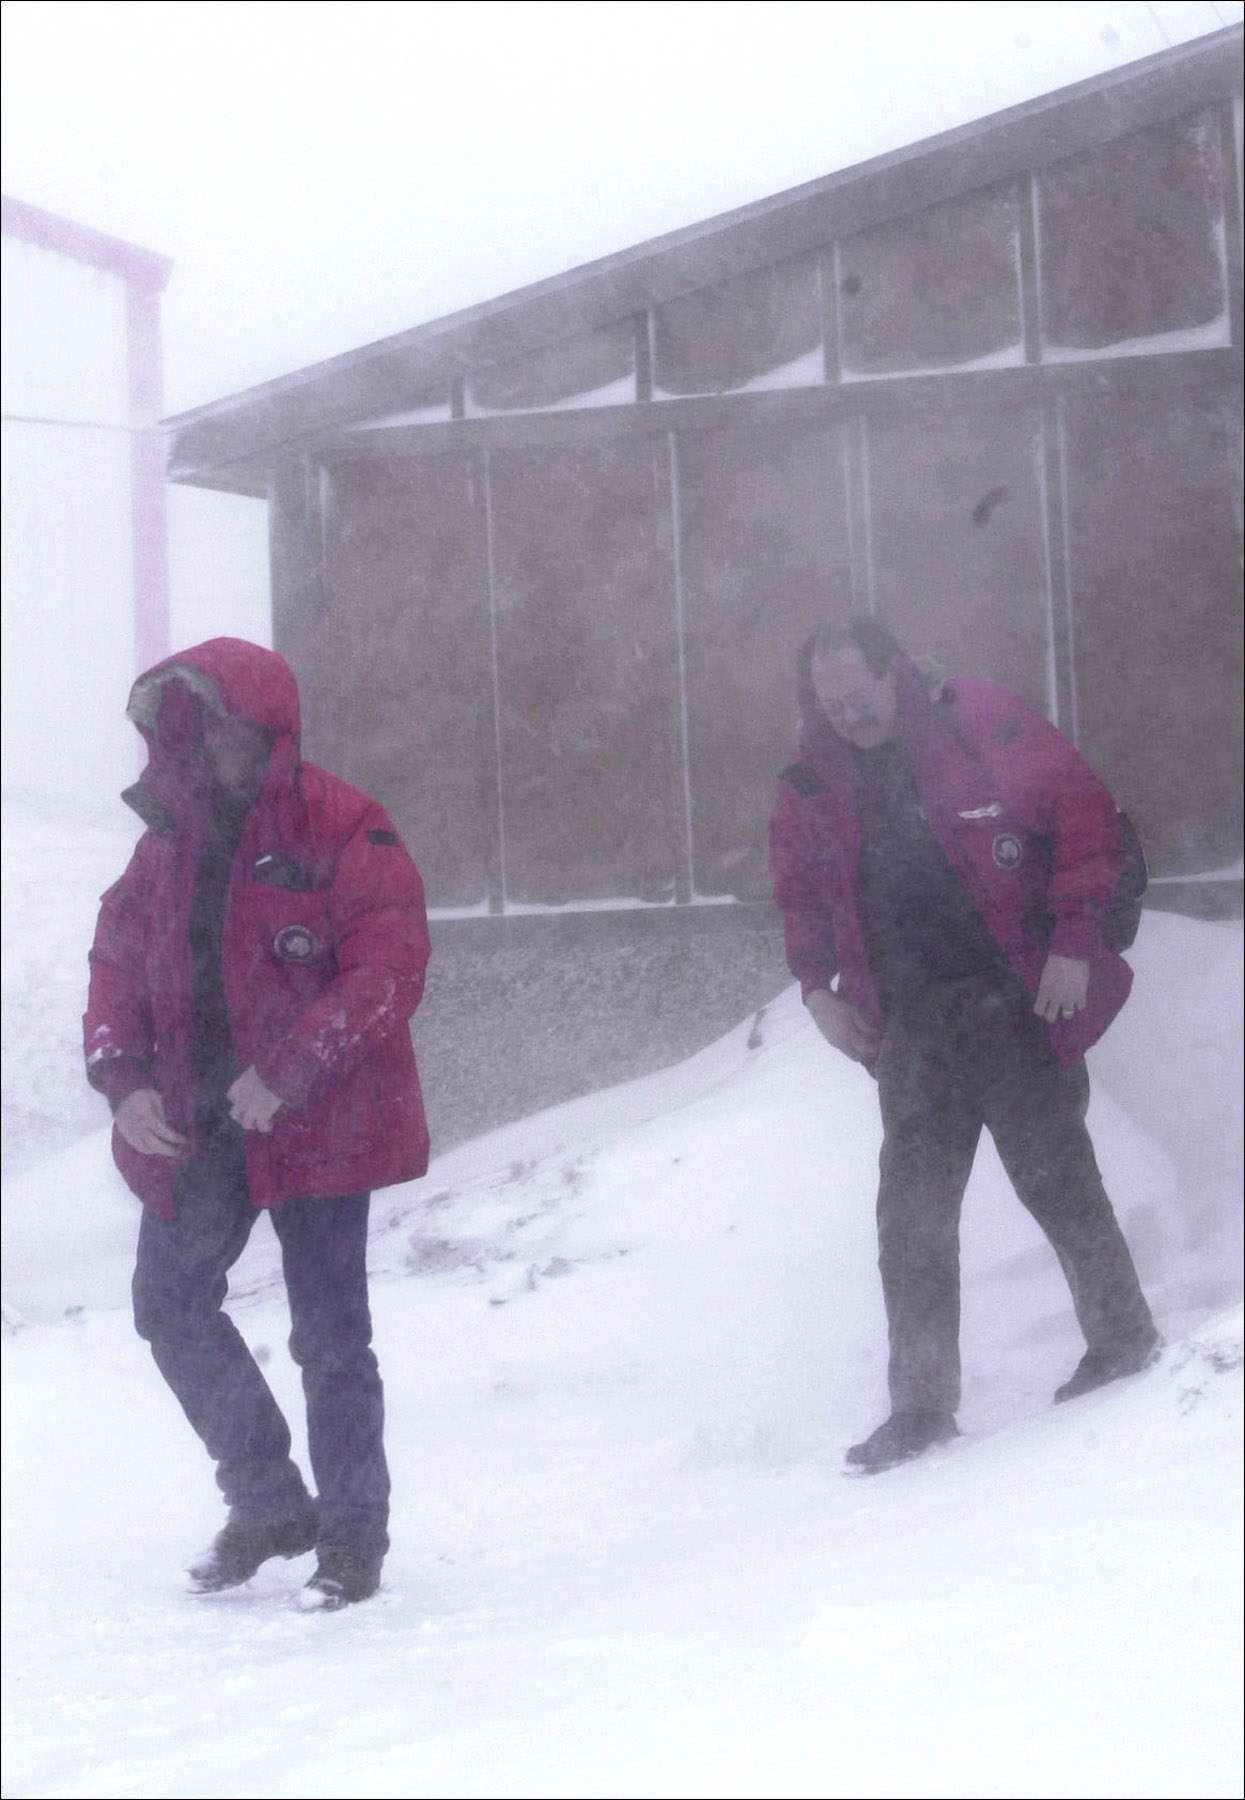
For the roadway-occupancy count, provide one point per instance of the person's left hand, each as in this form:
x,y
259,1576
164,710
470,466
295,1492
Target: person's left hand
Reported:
x,y
251,1104
1063,989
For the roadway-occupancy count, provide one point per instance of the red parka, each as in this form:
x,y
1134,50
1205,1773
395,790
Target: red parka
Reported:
x,y
1020,815
323,951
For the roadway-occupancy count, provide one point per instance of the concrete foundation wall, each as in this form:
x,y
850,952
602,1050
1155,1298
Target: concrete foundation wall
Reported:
x,y
521,1012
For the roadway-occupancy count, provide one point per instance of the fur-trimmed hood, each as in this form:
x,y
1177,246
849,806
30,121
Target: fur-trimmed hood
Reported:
x,y
227,676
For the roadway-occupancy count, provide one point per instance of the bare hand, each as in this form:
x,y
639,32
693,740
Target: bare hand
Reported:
x,y
140,1120
842,1025
251,1104
1063,989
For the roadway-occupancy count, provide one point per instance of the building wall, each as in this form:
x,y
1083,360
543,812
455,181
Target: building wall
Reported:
x,y
85,594
68,544
556,632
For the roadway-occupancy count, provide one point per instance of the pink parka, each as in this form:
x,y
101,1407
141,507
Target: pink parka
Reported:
x,y
1020,815
324,947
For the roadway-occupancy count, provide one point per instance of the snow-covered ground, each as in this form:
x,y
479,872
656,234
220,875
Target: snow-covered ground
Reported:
x,y
625,1343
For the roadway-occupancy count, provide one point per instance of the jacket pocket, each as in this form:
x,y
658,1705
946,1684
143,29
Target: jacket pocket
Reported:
x,y
339,1121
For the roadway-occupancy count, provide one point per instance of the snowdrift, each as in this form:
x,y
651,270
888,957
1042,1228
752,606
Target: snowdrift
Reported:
x,y
625,1343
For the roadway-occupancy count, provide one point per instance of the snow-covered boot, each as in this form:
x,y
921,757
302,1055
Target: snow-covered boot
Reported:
x,y
240,1549
1097,1367
342,1578
903,1436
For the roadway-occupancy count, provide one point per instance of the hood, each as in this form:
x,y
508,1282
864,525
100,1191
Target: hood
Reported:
x,y
229,676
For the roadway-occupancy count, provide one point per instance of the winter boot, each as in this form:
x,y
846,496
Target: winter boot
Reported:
x,y
903,1436
1097,1367
240,1549
342,1578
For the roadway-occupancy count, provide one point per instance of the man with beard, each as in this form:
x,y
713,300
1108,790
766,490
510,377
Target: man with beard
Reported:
x,y
944,865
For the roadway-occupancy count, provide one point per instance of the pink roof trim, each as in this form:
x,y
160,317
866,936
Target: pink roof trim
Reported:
x,y
141,268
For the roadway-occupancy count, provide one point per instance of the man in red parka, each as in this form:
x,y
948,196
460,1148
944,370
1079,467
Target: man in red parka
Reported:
x,y
943,866
252,979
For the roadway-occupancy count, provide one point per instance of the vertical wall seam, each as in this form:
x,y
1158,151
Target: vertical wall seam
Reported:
x,y
335,699
1029,254
643,356
676,525
849,507
495,668
324,499
836,284
828,305
866,509
148,518
1074,709
1048,570
1230,246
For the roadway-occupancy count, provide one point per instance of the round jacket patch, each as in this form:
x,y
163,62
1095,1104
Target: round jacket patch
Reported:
x,y
1007,850
295,944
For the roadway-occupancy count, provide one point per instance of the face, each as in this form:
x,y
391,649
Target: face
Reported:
x,y
236,752
861,706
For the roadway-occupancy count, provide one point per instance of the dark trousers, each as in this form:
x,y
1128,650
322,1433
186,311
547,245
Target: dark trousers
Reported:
x,y
957,1055
180,1283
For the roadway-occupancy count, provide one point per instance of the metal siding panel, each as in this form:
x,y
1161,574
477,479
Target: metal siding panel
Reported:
x,y
764,557
406,618
65,336
957,545
587,673
1131,238
1154,535
68,582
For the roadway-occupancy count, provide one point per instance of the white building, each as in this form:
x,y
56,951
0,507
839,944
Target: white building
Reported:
x,y
84,538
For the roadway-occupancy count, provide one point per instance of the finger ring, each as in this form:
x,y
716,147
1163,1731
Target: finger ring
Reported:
x,y
1068,1011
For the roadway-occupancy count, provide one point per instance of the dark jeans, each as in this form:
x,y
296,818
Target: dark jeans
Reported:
x,y
957,1055
180,1283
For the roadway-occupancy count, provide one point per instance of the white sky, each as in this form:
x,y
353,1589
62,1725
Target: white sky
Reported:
x,y
324,174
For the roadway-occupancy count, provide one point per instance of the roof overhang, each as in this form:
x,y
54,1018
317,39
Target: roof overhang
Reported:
x,y
142,269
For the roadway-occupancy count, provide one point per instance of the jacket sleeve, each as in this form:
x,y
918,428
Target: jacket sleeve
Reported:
x,y
808,927
117,1029
1050,788
381,944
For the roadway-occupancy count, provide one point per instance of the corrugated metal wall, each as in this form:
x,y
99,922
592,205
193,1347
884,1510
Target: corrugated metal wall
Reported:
x,y
1006,424
68,549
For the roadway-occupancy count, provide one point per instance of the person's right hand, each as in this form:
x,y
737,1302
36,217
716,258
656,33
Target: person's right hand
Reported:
x,y
842,1025
140,1120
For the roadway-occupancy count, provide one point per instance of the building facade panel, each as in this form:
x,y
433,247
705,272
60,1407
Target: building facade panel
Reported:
x,y
1132,238
1153,526
561,372
764,559
985,388
68,613
84,555
957,530
65,328
589,721
407,607
723,337
935,289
